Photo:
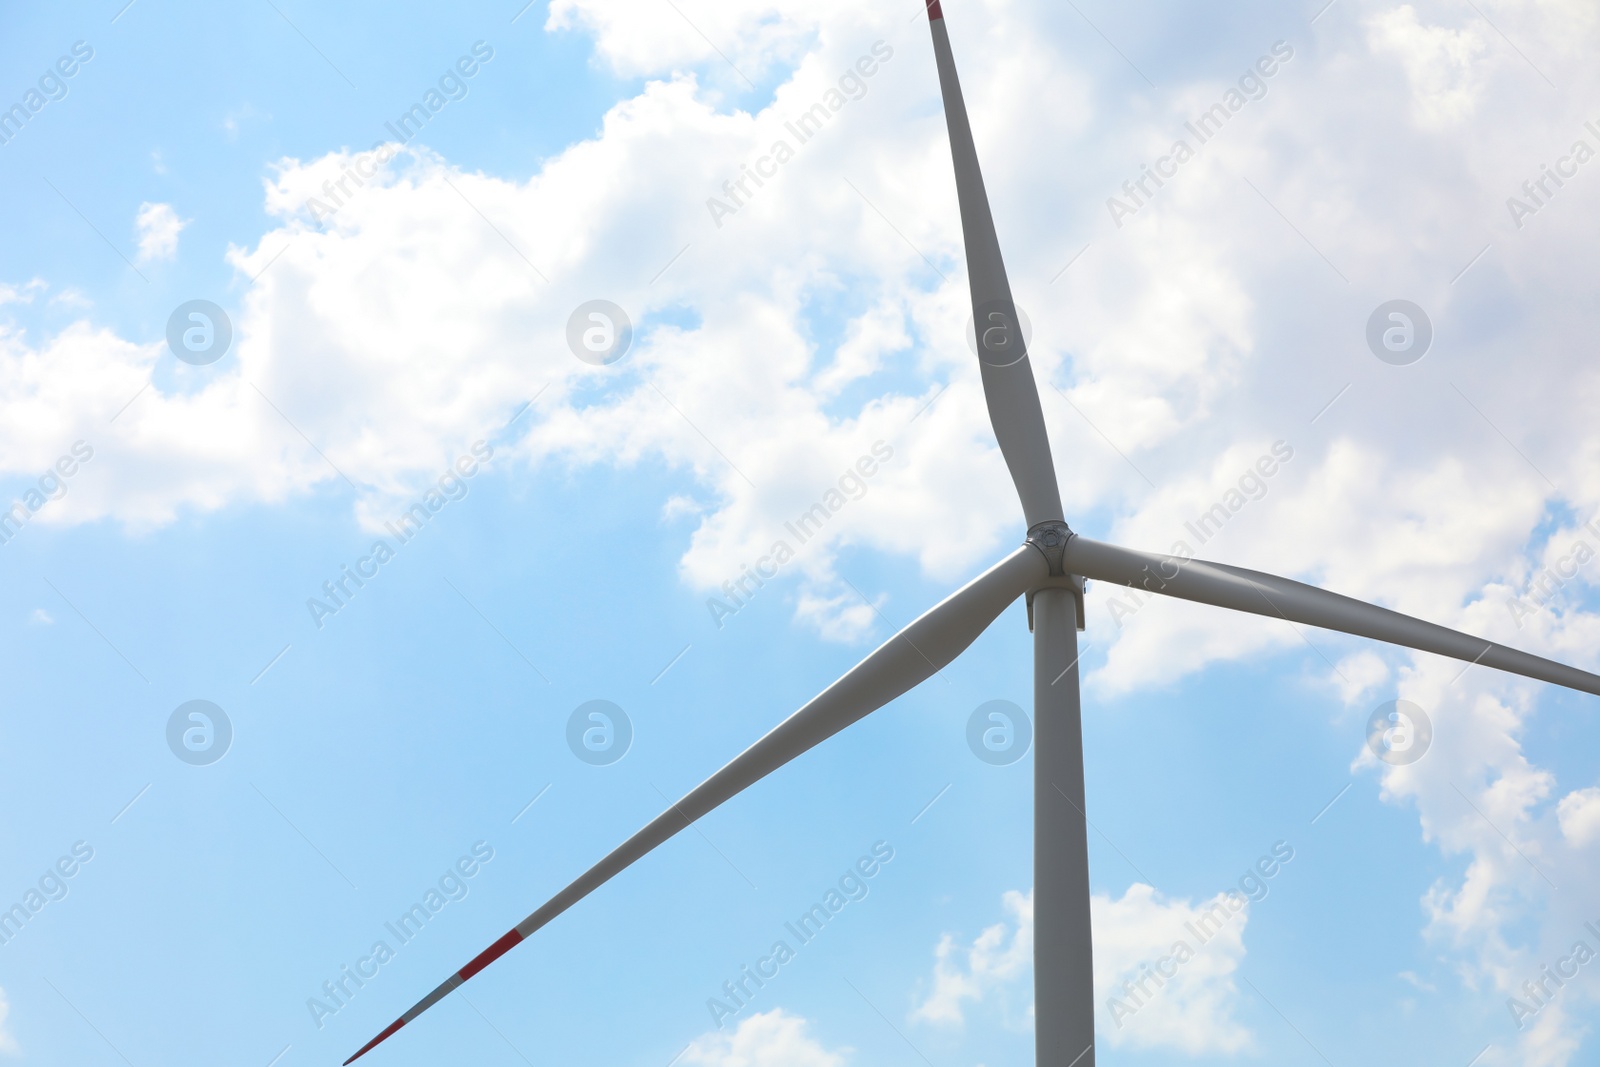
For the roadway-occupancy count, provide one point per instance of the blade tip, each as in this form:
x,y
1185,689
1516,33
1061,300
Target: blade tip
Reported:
x,y
934,12
375,1042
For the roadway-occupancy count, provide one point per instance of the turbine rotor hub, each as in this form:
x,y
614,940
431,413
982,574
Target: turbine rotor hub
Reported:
x,y
1051,538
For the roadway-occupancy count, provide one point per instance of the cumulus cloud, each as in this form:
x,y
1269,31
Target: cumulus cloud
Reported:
x,y
845,617
735,41
158,227
407,308
20,294
1480,799
1579,813
1193,1008
769,1039
993,962
1443,64
1359,674
396,330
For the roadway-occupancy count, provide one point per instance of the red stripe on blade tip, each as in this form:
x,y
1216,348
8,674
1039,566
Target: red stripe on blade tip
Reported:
x,y
510,941
933,10
370,1045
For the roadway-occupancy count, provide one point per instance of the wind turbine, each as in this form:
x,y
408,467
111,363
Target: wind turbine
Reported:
x,y
1049,568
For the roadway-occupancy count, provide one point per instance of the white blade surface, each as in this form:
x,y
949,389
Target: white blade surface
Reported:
x,y
1275,597
1008,384
904,661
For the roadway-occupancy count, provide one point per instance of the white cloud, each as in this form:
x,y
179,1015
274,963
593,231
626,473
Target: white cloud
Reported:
x,y
20,294
1552,1040
1579,813
398,331
72,298
8,1043
637,37
870,337
845,617
1410,978
158,227
769,1039
1358,674
1444,65
1192,1011
995,960
1481,801
41,617
236,119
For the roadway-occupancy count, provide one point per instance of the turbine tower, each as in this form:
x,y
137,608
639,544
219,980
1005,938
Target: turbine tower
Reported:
x,y
1049,569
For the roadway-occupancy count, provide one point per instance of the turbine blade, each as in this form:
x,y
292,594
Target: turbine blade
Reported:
x,y
1008,385
905,660
1275,597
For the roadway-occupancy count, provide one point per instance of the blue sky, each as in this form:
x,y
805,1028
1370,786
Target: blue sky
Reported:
x,y
373,748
